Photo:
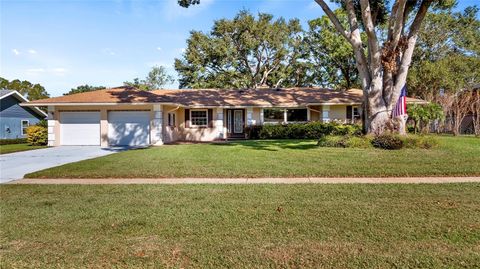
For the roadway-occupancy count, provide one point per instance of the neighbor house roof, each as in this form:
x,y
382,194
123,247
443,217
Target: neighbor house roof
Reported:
x,y
287,97
19,97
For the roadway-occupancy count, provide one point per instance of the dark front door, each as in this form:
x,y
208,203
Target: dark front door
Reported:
x,y
236,122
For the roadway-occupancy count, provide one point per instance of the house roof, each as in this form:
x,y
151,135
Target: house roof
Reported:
x,y
287,97
19,97
4,92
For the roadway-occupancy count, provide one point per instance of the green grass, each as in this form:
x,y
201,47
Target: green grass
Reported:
x,y
455,156
4,149
240,226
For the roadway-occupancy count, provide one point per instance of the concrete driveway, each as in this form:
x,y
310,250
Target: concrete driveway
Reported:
x,y
16,165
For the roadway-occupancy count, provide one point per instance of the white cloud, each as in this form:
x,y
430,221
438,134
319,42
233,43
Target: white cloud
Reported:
x,y
108,51
32,51
159,48
36,70
15,51
57,71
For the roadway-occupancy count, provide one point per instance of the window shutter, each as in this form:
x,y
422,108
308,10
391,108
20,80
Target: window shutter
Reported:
x,y
187,118
210,118
349,113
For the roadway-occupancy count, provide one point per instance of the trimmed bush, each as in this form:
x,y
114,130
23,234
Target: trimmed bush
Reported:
x,y
422,142
310,130
13,141
359,142
387,141
346,141
37,135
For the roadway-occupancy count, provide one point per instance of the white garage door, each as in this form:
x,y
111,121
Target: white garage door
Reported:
x,y
80,128
129,128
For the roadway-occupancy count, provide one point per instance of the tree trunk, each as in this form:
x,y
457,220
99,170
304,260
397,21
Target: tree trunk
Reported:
x,y
383,71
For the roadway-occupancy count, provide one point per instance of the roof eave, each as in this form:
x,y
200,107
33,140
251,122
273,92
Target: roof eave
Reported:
x,y
23,99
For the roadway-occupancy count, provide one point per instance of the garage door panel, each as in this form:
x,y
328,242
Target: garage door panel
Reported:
x,y
80,128
129,128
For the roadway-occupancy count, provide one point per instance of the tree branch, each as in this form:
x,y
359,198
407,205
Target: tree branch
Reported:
x,y
375,54
334,19
395,24
357,45
408,53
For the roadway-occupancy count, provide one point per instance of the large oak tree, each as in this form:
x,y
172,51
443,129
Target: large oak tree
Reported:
x,y
384,65
245,52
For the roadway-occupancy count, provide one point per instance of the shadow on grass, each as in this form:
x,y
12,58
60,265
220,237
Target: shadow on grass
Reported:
x,y
272,145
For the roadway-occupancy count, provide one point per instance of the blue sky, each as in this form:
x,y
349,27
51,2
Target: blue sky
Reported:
x,y
65,43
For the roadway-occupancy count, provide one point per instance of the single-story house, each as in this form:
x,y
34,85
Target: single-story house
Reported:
x,y
126,116
14,119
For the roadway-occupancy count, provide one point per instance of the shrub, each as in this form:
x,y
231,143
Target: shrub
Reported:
x,y
13,141
346,141
359,142
423,142
37,135
310,130
387,141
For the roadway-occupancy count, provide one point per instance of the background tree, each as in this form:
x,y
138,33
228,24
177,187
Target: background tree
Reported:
x,y
423,115
447,57
246,52
157,78
475,108
446,63
331,56
84,88
25,88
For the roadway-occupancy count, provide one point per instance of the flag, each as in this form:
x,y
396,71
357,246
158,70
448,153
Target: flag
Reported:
x,y
401,106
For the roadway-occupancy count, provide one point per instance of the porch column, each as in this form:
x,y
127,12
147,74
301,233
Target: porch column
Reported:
x,y
308,113
261,116
285,117
219,124
250,121
325,113
156,133
51,126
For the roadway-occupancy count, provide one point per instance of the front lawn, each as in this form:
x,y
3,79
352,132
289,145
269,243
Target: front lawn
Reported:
x,y
455,156
240,226
4,149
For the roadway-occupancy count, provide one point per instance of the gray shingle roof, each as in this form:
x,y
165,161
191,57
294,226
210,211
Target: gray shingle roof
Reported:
x,y
4,92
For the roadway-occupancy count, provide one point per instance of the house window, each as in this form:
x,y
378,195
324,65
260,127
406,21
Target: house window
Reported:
x,y
356,114
296,115
353,114
279,115
274,115
199,117
25,124
171,119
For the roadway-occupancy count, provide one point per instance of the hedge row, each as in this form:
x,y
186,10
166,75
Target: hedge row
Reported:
x,y
385,141
13,141
310,130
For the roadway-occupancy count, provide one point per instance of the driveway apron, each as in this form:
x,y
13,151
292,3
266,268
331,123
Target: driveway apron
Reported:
x,y
15,165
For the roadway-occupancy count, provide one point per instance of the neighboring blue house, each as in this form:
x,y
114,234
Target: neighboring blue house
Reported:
x,y
14,119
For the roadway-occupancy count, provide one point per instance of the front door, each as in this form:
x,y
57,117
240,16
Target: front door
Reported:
x,y
236,122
